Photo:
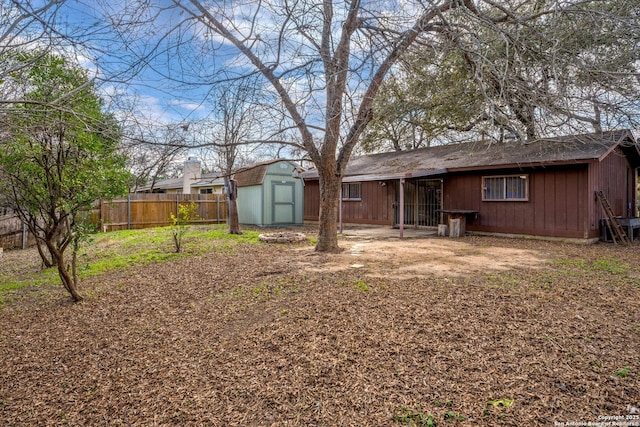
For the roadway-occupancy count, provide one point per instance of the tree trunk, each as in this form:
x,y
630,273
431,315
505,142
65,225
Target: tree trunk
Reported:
x,y
63,271
232,206
45,259
330,191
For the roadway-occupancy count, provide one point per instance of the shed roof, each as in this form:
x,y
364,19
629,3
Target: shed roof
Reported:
x,y
573,149
254,174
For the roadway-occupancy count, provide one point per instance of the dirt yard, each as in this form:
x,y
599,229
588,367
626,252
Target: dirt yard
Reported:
x,y
468,332
414,258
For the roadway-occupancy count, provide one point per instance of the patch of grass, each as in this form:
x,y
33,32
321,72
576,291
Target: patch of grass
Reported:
x,y
266,290
503,280
362,285
623,372
220,233
570,263
453,416
413,417
503,403
118,250
610,265
358,284
45,277
118,262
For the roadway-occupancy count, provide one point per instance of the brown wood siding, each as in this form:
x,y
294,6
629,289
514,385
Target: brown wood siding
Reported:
x,y
617,180
561,199
614,177
556,205
311,200
374,207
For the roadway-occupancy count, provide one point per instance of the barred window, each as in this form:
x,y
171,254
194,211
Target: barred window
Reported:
x,y
511,187
351,191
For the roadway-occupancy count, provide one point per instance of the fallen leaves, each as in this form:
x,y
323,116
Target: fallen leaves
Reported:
x,y
251,338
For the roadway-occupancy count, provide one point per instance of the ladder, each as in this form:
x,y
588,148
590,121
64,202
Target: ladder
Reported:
x,y
615,229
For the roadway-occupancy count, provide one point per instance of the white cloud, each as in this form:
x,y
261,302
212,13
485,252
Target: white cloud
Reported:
x,y
188,106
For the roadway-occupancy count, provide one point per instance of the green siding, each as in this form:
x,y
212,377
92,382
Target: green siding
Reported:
x,y
250,205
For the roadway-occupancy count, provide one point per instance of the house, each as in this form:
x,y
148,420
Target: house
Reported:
x,y
193,181
544,187
270,193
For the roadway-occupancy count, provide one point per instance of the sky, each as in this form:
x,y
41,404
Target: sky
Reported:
x,y
115,61
201,54
142,70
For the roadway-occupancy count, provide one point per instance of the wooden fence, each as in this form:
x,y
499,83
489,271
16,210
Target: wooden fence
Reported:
x,y
12,234
133,212
154,210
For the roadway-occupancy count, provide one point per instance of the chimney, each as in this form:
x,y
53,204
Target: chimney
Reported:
x,y
192,172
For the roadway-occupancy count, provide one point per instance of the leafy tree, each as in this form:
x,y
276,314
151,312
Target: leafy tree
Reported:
x,y
59,155
426,99
542,71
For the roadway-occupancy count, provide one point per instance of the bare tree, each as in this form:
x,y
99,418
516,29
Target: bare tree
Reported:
x,y
152,150
234,109
325,61
313,56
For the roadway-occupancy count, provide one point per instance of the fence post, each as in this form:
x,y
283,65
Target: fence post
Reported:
x,y
218,208
24,235
129,211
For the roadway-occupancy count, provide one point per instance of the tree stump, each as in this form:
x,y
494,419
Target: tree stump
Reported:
x,y
455,229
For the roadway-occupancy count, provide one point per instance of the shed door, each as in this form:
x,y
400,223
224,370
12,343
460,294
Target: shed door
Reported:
x,y
284,203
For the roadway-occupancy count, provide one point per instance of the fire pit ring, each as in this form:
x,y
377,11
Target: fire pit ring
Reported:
x,y
282,237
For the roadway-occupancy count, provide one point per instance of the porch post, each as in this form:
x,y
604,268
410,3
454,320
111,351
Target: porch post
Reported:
x,y
401,208
340,209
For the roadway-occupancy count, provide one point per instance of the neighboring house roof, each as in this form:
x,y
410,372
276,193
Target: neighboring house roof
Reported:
x,y
481,155
206,180
252,174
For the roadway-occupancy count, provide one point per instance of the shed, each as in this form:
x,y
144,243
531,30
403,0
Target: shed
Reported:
x,y
270,194
544,187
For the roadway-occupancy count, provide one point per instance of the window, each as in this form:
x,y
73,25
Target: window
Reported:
x,y
206,191
351,191
512,187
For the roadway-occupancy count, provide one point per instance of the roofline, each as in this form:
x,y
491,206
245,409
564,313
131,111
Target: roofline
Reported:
x,y
626,133
525,165
376,177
